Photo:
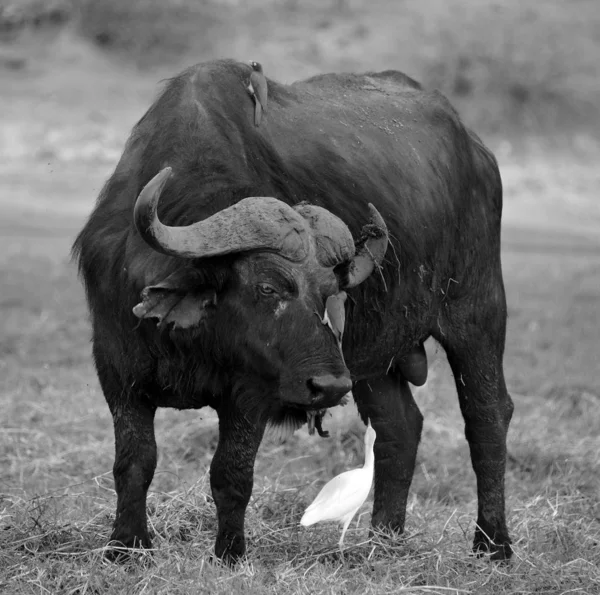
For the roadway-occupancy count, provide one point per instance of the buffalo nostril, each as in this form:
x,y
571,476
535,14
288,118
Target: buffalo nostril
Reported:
x,y
330,387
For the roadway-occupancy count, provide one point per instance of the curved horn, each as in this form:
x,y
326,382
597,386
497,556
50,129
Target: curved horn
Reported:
x,y
253,223
372,251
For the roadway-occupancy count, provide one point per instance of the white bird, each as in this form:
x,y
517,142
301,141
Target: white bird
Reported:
x,y
335,314
340,498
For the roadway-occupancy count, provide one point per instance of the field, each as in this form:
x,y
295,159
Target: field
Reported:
x,y
63,121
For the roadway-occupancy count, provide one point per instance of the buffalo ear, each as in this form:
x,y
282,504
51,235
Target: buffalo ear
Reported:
x,y
169,302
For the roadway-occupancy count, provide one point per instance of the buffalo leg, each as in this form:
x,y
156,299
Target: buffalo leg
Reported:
x,y
135,456
232,476
388,402
475,352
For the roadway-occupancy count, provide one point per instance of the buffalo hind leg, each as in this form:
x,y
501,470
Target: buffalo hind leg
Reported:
x,y
135,457
388,402
475,351
232,477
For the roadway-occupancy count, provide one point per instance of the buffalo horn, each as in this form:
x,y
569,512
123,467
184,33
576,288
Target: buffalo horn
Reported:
x,y
254,223
371,253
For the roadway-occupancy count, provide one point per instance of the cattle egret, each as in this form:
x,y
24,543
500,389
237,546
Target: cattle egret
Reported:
x,y
340,498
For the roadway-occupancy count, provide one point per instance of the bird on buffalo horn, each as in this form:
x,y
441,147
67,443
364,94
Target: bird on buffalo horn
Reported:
x,y
258,91
341,497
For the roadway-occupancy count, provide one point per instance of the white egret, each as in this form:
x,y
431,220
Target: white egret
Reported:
x,y
341,497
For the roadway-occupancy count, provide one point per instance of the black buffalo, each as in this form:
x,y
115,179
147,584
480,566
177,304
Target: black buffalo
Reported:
x,y
214,245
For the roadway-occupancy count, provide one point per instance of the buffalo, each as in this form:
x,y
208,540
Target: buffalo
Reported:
x,y
215,245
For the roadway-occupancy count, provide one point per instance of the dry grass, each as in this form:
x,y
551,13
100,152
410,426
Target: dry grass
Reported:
x,y
57,500
557,553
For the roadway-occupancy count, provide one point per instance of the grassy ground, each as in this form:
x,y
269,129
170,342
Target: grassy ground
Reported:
x,y
63,119
57,500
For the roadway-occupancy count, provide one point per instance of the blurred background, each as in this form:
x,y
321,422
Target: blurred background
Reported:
x,y
75,75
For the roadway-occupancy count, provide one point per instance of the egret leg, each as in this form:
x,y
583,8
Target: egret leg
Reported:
x,y
344,529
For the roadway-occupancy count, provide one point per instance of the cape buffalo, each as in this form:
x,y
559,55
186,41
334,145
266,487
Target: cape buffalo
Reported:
x,y
215,244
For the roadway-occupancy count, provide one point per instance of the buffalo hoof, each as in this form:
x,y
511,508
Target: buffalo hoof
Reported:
x,y
230,547
498,550
121,549
387,523
387,531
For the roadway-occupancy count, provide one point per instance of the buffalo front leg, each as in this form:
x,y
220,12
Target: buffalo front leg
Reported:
x,y
475,355
388,402
135,457
232,476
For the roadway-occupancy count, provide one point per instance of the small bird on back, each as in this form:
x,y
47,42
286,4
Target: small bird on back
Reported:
x,y
257,88
341,497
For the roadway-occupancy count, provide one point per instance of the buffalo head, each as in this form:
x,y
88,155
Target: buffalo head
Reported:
x,y
268,322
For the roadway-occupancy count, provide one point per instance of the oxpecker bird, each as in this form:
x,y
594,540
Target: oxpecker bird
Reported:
x,y
258,91
335,318
335,314
340,498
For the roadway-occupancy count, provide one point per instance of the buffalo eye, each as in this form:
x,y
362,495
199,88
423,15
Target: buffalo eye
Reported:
x,y
266,289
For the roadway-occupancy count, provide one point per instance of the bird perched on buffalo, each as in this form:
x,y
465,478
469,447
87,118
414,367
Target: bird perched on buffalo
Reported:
x,y
340,498
335,314
335,319
258,91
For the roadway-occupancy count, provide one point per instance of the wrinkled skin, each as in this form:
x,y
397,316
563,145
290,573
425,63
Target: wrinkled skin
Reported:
x,y
280,305
252,353
276,308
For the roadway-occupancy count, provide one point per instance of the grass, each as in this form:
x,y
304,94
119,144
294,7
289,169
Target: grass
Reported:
x,y
57,499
